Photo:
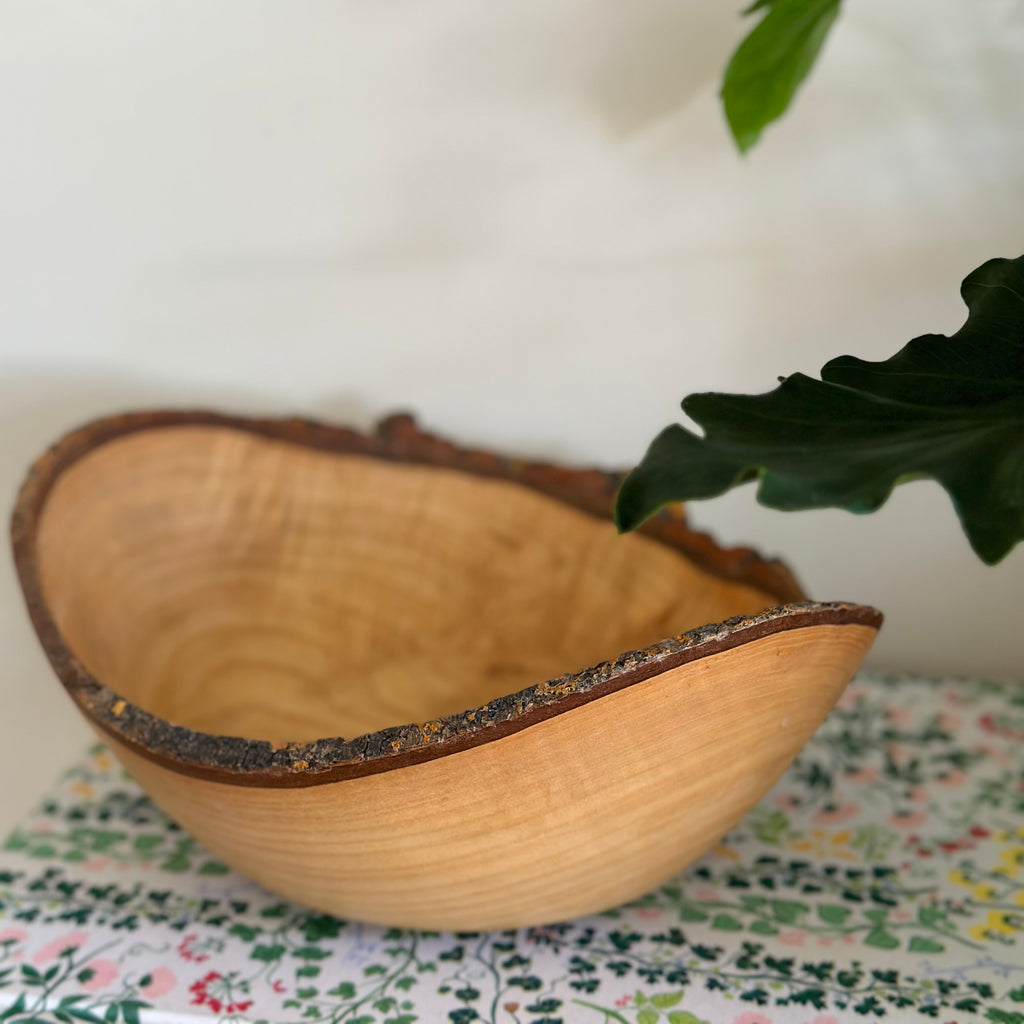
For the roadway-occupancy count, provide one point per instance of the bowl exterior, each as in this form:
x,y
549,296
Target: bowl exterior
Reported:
x,y
575,814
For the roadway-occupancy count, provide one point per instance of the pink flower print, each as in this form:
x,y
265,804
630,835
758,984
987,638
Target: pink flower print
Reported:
x,y
834,815
12,935
100,974
706,893
851,696
996,754
623,1001
751,1017
919,795
824,941
953,779
157,983
95,863
907,819
899,716
787,801
901,914
948,722
41,827
794,937
648,912
55,947
900,753
863,775
824,1020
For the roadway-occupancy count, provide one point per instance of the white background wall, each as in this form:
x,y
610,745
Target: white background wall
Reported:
x,y
523,220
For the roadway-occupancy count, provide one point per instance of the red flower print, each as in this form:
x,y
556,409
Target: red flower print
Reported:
x,y
187,952
217,992
995,727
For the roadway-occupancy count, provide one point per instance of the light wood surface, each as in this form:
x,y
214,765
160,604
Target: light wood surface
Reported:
x,y
241,585
573,815
202,581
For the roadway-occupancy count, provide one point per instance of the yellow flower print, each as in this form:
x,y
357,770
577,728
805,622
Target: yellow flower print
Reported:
x,y
826,845
997,923
1011,860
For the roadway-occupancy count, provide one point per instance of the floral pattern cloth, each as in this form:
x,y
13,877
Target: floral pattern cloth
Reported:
x,y
881,878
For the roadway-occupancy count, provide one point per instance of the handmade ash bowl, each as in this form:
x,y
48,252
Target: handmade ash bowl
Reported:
x,y
383,676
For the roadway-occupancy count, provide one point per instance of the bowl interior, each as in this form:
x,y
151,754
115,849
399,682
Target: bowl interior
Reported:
x,y
248,586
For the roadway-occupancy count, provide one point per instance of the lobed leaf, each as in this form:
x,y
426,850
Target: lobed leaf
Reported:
x,y
946,408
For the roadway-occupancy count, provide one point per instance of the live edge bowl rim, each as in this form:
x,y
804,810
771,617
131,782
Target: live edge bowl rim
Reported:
x,y
248,762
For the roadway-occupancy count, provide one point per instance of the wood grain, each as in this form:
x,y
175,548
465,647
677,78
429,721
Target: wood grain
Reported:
x,y
240,585
414,684
573,815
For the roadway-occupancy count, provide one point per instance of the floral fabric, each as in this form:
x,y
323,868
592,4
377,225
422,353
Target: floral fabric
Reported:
x,y
882,878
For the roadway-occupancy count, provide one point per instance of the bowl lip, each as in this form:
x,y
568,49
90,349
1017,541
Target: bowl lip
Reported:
x,y
248,762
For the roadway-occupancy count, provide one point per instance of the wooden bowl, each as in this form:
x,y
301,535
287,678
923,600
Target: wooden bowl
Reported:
x,y
356,667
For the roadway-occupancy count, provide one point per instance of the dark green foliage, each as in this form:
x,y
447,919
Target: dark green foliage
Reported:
x,y
946,408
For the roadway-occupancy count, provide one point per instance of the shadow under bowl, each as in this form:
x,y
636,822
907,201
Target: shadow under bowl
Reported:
x,y
355,666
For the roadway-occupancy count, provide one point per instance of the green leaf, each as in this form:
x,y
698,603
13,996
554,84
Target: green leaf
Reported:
x,y
647,1016
666,1000
767,68
787,911
345,990
879,938
177,862
312,953
947,408
685,1017
727,923
832,913
267,953
213,867
690,912
921,944
18,1006
130,1010
83,1013
998,1016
